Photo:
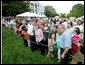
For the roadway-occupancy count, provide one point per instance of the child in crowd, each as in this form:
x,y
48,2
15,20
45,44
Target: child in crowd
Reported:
x,y
25,35
51,45
75,40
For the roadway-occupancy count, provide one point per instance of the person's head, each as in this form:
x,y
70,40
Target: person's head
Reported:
x,y
69,25
61,28
64,20
57,20
58,32
36,26
45,24
27,21
23,23
40,21
34,22
77,30
55,28
53,36
79,22
18,21
30,22
24,28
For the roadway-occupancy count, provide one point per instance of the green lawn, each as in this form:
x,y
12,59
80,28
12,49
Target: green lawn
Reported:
x,y
14,51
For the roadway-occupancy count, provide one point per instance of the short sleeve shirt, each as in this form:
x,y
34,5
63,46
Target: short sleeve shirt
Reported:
x,y
65,40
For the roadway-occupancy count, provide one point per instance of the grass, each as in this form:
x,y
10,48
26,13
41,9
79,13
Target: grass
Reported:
x,y
14,51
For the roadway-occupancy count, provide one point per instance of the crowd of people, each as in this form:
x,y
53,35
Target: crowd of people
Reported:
x,y
63,36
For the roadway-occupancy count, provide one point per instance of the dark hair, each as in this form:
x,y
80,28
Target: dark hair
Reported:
x,y
56,26
79,21
24,28
77,30
57,20
71,23
37,25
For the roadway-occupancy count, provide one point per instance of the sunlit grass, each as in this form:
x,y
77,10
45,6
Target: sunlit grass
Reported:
x,y
14,51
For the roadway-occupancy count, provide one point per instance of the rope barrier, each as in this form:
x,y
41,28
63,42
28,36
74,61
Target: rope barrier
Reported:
x,y
38,43
47,45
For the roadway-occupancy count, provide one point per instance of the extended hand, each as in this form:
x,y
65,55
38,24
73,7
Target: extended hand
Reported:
x,y
62,56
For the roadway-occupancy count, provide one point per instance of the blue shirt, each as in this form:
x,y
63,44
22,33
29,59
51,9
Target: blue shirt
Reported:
x,y
58,41
65,40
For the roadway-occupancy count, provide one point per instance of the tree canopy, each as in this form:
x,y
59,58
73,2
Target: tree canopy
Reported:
x,y
12,8
50,11
63,15
77,11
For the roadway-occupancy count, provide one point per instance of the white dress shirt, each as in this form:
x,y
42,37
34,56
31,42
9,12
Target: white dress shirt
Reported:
x,y
30,30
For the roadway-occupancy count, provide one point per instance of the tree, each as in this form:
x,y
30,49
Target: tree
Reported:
x,y
50,11
63,15
77,11
12,8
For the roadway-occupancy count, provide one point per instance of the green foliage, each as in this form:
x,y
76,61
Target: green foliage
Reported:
x,y
77,11
50,11
14,51
12,8
63,15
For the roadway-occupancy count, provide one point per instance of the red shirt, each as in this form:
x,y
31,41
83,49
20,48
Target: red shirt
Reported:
x,y
40,26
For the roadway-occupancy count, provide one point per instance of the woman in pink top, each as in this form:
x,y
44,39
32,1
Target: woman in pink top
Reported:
x,y
75,40
39,39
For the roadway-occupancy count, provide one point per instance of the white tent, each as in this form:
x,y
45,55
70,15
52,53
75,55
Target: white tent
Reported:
x,y
28,14
42,15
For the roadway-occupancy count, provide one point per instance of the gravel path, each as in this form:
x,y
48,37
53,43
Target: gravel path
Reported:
x,y
78,55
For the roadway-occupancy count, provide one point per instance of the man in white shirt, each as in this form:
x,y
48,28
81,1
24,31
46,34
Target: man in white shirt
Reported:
x,y
30,31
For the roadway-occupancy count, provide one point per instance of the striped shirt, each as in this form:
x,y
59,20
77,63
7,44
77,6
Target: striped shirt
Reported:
x,y
65,40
